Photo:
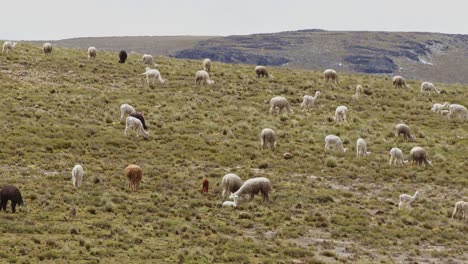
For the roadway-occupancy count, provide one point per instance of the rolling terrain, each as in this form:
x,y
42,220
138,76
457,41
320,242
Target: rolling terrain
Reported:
x,y
327,207
432,57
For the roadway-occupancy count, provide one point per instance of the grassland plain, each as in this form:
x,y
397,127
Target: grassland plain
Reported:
x,y
63,110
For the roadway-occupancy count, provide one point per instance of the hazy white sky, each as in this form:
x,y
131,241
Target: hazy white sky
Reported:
x,y
58,19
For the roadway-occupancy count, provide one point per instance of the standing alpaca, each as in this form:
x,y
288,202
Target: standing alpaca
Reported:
x,y
361,148
254,186
280,103
153,74
135,123
399,82
396,156
358,92
13,194
126,109
268,139
92,53
461,207
47,48
330,74
8,46
230,183
77,175
262,71
340,113
207,65
427,87
407,199
309,101
205,185
134,175
122,56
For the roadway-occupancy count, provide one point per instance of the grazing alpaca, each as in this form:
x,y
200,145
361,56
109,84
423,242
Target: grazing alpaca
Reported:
x,y
122,56
230,183
268,139
92,53
330,74
134,175
47,48
13,194
205,185
461,207
254,186
141,117
135,123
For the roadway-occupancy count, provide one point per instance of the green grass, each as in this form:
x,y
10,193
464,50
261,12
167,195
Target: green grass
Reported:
x,y
62,110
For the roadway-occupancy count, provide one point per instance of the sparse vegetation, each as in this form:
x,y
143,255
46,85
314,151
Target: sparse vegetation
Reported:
x,y
63,110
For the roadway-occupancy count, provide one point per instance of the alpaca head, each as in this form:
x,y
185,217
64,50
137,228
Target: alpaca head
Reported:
x,y
345,149
234,196
317,93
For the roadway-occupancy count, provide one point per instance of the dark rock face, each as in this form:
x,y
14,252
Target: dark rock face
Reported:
x,y
371,64
230,55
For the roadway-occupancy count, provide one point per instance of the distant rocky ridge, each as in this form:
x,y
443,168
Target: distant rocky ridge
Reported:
x,y
430,56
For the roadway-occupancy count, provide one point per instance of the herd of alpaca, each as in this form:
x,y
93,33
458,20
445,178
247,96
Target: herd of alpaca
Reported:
x,y
232,185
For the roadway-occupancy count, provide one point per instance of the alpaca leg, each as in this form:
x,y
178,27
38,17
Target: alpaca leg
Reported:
x,y
13,206
390,161
4,204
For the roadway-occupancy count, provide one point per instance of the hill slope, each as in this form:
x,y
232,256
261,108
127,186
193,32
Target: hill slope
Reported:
x,y
429,56
326,207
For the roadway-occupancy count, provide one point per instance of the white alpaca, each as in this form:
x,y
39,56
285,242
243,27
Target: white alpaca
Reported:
x,y
148,60
406,199
126,109
330,74
340,113
268,139
135,123
358,92
396,157
254,186
8,46
332,140
153,74
77,175
280,103
460,110
92,51
309,101
207,65
231,203
230,183
203,77
399,82
439,107
361,148
47,48
428,88
461,207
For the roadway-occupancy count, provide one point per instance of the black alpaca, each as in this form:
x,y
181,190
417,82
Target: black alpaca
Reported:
x,y
141,118
122,56
13,194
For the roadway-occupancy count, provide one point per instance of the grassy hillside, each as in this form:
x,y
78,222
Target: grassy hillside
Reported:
x,y
63,110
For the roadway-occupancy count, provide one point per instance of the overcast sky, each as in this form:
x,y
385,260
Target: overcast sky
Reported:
x,y
58,19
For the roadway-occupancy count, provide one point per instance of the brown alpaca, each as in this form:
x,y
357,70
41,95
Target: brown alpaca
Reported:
x,y
134,175
205,185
